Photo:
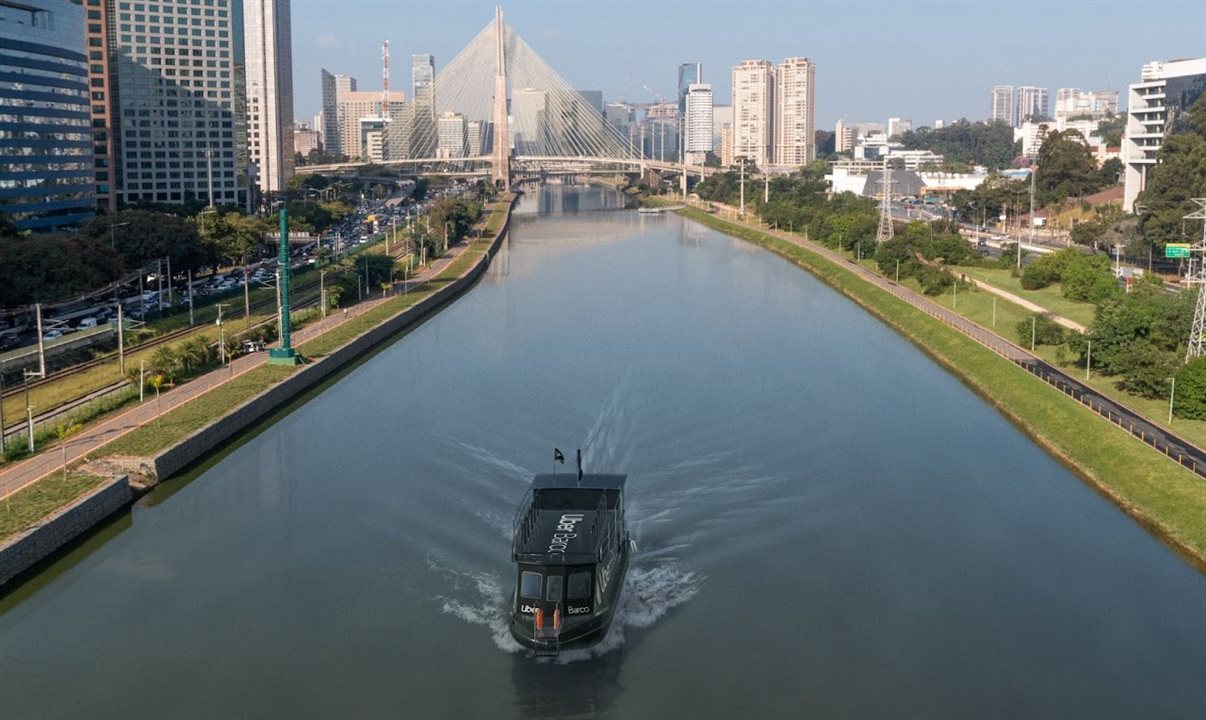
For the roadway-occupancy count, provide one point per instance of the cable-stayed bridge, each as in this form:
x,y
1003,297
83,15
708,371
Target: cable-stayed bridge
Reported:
x,y
498,107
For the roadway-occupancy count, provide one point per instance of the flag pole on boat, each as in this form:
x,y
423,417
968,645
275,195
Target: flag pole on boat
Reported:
x,y
558,457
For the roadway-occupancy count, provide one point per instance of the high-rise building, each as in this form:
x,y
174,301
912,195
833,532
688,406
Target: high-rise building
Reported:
x,y
356,105
452,134
1002,106
688,75
180,102
267,33
844,136
47,171
332,86
529,120
422,106
593,98
477,138
721,115
899,126
1032,103
100,84
795,141
697,126
1074,103
726,145
1156,106
305,139
753,111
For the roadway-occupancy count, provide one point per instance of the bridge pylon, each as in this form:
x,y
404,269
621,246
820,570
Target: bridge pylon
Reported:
x,y
501,166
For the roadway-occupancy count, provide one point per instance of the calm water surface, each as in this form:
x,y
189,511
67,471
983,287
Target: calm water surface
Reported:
x,y
829,525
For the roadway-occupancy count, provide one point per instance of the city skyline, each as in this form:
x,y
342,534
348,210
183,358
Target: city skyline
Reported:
x,y
955,84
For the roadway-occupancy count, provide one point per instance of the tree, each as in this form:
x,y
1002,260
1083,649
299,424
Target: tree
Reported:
x,y
980,143
1066,168
143,236
1089,278
1179,174
45,268
1190,398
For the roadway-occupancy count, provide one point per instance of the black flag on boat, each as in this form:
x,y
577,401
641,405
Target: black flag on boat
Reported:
x,y
558,457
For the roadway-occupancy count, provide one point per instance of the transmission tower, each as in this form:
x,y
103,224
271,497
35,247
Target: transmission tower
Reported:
x,y
1197,276
884,233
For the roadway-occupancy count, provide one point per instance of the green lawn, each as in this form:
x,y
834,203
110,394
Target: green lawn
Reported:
x,y
1051,297
25,507
197,413
1157,491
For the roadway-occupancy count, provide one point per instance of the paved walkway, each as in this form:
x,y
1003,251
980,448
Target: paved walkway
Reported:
x,y
26,472
1032,307
1173,446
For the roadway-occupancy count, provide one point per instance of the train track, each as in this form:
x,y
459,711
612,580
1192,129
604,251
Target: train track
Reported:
x,y
149,344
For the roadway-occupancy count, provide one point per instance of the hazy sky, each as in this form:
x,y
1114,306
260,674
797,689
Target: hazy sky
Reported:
x,y
920,60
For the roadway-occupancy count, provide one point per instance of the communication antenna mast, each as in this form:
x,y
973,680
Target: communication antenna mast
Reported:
x,y
385,80
1197,276
884,233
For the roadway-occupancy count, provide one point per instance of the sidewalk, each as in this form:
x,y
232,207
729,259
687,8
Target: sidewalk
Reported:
x,y
1023,302
26,472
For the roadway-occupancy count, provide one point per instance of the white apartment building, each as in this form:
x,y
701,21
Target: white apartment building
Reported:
x,y
1156,105
844,136
794,129
1032,103
1032,134
355,105
898,126
269,80
180,122
451,135
1072,102
332,86
697,124
753,111
1001,107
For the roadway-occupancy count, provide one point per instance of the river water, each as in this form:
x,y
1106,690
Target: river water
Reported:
x,y
829,525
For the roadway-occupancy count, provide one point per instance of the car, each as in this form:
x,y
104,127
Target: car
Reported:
x,y
982,242
88,322
252,346
54,334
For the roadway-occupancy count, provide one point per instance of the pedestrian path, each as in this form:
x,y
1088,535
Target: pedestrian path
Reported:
x,y
1032,307
22,474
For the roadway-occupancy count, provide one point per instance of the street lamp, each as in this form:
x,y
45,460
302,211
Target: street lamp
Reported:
x,y
1171,394
112,235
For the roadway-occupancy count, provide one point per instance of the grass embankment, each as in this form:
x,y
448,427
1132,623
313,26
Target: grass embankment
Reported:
x,y
25,507
1050,298
174,426
1161,494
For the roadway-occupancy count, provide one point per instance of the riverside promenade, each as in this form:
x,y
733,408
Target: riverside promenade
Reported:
x,y
1171,445
92,438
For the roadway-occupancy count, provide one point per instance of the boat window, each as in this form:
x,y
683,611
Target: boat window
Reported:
x,y
554,588
579,585
529,585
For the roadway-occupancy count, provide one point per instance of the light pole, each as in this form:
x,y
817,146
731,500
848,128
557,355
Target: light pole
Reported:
x,y
112,235
1171,394
221,335
1088,359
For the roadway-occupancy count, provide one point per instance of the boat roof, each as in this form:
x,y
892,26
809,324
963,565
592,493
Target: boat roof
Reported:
x,y
590,481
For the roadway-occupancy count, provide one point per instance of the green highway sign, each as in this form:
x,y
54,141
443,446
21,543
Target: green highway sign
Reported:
x,y
1176,250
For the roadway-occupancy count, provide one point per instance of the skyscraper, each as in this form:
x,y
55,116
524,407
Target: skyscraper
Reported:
x,y
269,77
1032,103
529,119
357,105
332,85
794,129
697,124
100,84
422,106
753,111
179,102
453,135
46,156
1002,107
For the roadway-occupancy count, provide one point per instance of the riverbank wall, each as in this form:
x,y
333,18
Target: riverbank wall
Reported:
x,y
40,541
195,446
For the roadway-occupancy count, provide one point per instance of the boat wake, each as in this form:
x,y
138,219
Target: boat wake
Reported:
x,y
651,590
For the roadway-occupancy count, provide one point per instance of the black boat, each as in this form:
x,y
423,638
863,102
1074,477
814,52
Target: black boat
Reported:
x,y
571,547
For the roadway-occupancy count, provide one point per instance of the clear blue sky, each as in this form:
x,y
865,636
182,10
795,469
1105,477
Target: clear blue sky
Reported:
x,y
920,60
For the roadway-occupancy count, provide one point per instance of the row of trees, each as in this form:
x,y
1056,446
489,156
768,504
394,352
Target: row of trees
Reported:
x,y
969,143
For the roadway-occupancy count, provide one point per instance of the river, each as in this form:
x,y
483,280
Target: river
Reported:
x,y
828,523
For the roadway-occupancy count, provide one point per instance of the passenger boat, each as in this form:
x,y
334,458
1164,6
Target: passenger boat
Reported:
x,y
571,548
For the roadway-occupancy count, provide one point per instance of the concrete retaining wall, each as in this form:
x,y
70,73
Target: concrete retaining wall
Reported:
x,y
196,445
55,531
